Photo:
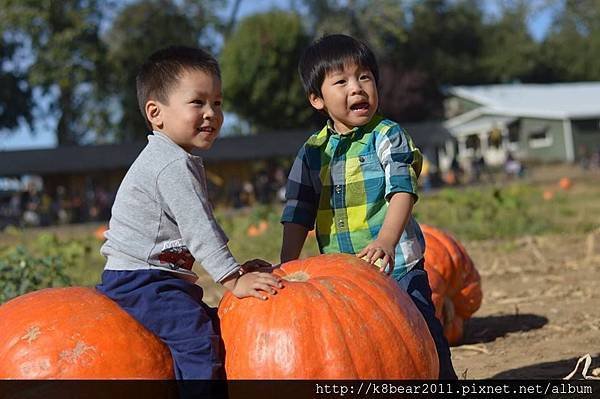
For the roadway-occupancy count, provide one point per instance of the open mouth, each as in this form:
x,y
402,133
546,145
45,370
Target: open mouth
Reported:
x,y
363,106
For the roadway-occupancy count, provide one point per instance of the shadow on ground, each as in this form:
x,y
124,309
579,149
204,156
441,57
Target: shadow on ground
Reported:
x,y
487,329
549,370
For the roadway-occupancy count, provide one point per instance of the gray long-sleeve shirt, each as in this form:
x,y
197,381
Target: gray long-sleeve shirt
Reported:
x,y
161,218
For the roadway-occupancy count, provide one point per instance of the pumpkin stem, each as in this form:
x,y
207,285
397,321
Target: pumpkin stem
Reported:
x,y
297,276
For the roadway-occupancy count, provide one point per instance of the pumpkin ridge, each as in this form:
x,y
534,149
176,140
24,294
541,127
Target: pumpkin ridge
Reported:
x,y
338,322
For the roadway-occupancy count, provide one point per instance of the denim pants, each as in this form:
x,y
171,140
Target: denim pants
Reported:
x,y
171,308
416,284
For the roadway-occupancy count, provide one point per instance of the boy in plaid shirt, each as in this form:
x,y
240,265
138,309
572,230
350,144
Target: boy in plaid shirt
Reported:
x,y
356,178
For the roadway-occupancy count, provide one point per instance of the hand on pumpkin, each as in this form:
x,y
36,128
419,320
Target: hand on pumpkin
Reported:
x,y
379,249
256,284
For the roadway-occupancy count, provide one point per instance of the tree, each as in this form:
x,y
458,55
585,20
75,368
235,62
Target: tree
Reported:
x,y
63,40
569,52
138,30
509,51
446,40
15,93
259,67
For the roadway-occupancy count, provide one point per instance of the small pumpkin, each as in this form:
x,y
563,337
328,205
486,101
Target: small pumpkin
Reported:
x,y
565,183
99,232
460,294
548,195
336,318
76,333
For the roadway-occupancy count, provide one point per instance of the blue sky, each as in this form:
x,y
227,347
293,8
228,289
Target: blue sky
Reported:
x,y
45,137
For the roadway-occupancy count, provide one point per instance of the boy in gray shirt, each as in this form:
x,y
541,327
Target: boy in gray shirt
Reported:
x,y
162,220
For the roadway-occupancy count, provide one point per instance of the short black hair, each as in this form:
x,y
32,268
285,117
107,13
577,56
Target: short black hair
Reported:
x,y
331,53
162,70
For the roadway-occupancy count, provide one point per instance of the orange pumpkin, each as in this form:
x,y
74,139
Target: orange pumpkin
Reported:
x,y
76,333
337,317
257,230
548,195
565,183
99,232
460,295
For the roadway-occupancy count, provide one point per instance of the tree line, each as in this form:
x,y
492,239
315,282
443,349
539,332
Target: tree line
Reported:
x,y
81,56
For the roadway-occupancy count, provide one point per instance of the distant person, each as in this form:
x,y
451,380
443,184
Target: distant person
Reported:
x,y
162,221
478,167
512,167
584,157
356,178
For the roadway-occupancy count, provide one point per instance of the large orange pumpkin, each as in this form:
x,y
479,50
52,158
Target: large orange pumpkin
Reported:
x,y
76,333
459,294
337,317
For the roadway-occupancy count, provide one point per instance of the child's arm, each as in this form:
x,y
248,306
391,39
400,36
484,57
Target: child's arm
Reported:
x,y
402,162
294,236
300,211
384,247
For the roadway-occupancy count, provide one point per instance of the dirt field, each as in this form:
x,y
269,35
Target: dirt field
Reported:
x,y
540,310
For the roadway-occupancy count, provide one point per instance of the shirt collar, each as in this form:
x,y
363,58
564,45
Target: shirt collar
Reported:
x,y
163,136
356,134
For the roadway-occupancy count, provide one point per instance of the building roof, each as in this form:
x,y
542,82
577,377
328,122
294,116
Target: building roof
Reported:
x,y
99,158
555,101
481,124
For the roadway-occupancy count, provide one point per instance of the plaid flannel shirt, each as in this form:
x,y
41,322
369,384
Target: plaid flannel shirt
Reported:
x,y
343,182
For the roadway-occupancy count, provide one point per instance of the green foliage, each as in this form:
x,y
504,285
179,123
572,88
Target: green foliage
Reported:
x,y
22,272
517,58
62,39
484,213
569,53
46,261
259,68
15,95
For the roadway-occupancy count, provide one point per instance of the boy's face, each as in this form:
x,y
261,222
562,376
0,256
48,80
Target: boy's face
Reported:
x,y
192,116
350,97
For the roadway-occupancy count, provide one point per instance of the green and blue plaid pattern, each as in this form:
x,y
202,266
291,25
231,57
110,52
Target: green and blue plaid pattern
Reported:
x,y
342,182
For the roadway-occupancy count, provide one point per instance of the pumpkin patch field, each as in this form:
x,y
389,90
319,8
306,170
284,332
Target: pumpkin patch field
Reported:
x,y
514,265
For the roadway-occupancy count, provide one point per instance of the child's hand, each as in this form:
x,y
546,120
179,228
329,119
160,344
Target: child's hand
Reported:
x,y
379,250
257,265
256,284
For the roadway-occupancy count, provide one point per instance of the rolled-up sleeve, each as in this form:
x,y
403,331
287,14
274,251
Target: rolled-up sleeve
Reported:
x,y
401,161
300,194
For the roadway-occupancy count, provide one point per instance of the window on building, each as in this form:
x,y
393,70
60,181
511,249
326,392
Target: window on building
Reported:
x,y
472,142
540,138
587,125
513,133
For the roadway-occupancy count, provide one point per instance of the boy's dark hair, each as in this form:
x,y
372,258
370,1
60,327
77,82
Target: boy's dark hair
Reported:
x,y
161,71
331,53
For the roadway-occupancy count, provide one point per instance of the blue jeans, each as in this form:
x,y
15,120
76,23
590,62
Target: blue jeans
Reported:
x,y
171,308
416,284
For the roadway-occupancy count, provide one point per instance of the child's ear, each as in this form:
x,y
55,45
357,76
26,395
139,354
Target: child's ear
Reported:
x,y
316,101
153,113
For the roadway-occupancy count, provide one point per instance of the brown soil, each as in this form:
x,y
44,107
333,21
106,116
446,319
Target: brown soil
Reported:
x,y
540,311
